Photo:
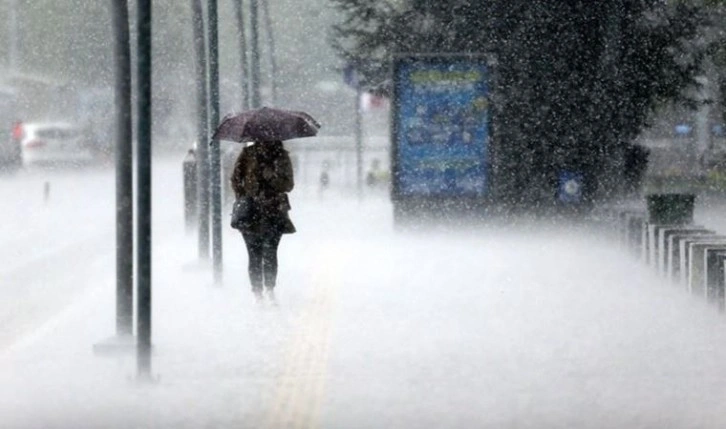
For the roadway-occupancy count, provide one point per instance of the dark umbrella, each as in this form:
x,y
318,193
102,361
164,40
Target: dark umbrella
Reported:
x,y
266,124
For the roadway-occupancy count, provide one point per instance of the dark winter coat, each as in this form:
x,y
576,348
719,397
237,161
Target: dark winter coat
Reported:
x,y
263,171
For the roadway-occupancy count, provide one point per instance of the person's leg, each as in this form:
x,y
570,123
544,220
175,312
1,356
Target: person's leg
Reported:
x,y
269,258
254,252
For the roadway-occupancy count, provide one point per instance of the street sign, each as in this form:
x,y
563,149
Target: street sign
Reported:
x,y
570,187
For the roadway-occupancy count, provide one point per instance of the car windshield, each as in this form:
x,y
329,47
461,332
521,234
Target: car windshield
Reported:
x,y
57,133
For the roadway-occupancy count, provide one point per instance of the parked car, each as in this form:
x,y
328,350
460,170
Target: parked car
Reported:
x,y
54,142
10,158
10,153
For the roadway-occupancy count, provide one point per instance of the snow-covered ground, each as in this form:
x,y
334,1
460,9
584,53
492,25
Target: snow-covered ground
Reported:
x,y
521,326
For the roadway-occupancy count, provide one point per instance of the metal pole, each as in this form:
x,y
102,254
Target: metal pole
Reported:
x,y
189,178
13,35
245,84
359,141
271,50
254,55
200,54
144,189
124,172
214,156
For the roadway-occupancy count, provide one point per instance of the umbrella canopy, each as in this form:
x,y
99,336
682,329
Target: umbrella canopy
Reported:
x,y
266,124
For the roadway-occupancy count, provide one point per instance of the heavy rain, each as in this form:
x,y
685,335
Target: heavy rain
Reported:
x,y
500,214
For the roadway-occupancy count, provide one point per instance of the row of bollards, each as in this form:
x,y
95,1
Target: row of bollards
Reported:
x,y
662,234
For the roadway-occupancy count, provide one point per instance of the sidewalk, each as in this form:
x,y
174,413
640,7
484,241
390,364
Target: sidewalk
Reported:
x,y
488,328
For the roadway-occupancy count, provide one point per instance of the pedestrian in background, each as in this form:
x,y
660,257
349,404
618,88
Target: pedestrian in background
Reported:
x,y
263,173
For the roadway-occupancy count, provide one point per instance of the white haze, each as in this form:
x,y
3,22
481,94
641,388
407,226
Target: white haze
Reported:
x,y
526,325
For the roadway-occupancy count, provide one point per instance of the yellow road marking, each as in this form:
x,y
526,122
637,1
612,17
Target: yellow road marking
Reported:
x,y
300,390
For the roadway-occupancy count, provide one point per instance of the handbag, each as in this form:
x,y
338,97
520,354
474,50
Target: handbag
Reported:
x,y
243,212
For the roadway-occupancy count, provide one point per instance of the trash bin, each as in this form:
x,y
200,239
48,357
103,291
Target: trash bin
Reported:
x,y
670,209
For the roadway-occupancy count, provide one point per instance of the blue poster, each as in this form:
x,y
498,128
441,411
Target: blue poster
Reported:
x,y
441,130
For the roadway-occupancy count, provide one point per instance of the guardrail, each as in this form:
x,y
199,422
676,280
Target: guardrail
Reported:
x,y
663,236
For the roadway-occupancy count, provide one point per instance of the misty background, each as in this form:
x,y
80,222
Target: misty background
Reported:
x,y
65,49
513,322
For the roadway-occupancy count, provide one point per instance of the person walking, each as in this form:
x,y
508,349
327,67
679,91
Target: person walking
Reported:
x,y
263,174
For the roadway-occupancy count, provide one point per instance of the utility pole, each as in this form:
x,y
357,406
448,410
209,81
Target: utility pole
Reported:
x,y
214,155
143,360
200,67
254,54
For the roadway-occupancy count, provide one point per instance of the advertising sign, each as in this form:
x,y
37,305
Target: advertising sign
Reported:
x,y
441,126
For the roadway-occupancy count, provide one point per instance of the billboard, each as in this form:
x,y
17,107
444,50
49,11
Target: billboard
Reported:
x,y
440,121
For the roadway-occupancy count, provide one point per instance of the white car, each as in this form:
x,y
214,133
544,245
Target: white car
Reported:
x,y
54,142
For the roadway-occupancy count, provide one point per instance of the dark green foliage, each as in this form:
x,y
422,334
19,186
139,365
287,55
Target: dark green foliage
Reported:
x,y
576,80
717,15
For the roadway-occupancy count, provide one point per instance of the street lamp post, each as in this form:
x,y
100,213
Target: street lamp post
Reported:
x,y
124,172
214,155
124,340
144,189
200,63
